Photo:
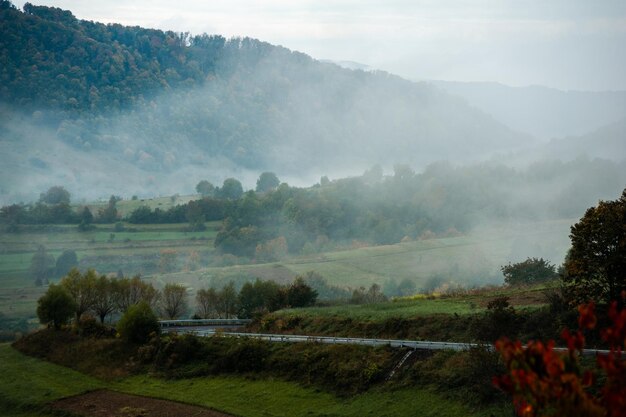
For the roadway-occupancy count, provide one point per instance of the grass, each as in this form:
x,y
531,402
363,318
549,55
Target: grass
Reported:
x,y
27,384
469,302
469,260
133,251
16,250
382,311
276,398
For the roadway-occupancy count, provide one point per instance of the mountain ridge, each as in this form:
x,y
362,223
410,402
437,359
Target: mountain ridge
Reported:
x,y
173,109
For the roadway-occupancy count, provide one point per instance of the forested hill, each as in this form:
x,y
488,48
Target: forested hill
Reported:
x,y
145,100
54,61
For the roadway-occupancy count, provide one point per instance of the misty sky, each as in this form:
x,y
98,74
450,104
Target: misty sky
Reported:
x,y
566,44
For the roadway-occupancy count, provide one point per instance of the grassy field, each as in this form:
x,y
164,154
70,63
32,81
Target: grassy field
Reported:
x,y
471,260
434,264
28,384
464,302
382,311
107,251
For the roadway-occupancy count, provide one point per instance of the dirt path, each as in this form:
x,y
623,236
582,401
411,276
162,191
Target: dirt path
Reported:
x,y
103,403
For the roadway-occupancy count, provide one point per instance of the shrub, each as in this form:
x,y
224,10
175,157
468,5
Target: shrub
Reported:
x,y
544,382
138,323
88,326
499,320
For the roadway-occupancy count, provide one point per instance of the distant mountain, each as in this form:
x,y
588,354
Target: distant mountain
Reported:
x,y
540,111
169,109
608,142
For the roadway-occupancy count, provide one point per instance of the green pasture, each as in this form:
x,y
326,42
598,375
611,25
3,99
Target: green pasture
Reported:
x,y
466,261
16,249
28,384
464,302
106,250
395,309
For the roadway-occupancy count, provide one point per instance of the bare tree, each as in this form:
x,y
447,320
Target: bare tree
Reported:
x,y
174,301
104,303
131,291
227,301
82,289
207,302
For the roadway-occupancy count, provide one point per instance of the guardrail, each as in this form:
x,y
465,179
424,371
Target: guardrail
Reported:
x,y
412,344
203,322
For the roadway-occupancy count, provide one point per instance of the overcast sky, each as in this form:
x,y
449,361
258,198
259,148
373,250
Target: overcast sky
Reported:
x,y
566,44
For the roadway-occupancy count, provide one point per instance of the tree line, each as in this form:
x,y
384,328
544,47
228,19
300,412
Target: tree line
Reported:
x,y
89,294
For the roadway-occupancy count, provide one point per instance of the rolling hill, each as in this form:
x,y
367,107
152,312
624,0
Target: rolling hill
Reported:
x,y
94,106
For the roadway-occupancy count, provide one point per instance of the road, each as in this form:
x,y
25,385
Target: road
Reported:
x,y
412,344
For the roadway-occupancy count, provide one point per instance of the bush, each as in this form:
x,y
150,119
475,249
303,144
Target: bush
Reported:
x,y
531,271
138,323
56,306
89,327
499,320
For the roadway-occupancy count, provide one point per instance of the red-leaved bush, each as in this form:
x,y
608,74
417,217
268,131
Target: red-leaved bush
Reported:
x,y
545,382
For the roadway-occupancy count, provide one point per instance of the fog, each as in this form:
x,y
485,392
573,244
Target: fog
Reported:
x,y
283,112
507,169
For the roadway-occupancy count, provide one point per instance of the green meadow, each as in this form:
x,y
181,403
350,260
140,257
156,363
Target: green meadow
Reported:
x,y
28,384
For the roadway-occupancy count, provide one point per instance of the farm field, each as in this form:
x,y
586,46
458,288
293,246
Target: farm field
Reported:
x,y
435,264
28,384
466,261
133,251
461,303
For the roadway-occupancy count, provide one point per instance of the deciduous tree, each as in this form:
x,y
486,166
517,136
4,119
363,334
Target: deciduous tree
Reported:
x,y
104,303
138,323
131,291
82,289
206,303
55,306
205,188
65,262
531,271
231,189
55,195
174,301
267,181
595,267
41,265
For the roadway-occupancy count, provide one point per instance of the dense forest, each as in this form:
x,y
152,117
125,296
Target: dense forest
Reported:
x,y
155,104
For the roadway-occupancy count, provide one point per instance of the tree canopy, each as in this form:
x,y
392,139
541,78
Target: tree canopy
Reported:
x,y
55,195
56,306
530,271
595,267
205,188
267,181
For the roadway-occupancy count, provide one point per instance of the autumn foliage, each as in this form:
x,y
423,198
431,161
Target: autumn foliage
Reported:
x,y
547,382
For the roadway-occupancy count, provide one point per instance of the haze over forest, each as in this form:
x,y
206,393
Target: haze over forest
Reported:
x,y
406,190
108,109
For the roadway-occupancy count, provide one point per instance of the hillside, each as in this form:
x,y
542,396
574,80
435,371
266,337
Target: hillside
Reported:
x,y
170,108
541,111
608,142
